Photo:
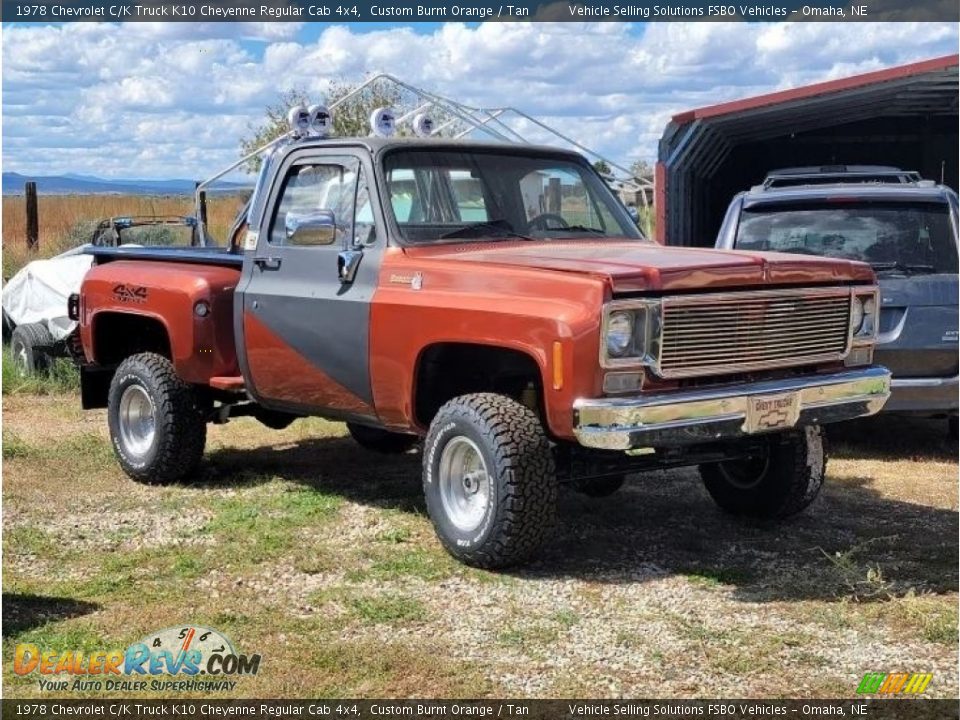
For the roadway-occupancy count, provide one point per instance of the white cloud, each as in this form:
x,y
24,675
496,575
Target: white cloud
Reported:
x,y
173,99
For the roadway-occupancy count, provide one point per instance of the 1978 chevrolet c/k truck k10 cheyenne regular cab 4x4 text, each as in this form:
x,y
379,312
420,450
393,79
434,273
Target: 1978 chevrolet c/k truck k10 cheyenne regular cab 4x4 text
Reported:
x,y
498,302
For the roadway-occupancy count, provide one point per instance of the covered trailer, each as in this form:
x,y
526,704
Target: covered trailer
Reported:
x,y
904,116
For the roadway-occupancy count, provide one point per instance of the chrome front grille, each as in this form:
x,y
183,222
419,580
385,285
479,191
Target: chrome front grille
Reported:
x,y
735,332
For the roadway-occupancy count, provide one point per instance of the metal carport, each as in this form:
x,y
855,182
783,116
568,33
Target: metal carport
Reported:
x,y
905,116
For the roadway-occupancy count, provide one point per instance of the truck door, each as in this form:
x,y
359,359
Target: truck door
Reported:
x,y
303,335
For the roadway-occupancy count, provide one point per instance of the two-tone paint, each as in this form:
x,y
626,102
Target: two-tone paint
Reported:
x,y
303,342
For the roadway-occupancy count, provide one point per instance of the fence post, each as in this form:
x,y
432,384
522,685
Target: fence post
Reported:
x,y
33,222
553,195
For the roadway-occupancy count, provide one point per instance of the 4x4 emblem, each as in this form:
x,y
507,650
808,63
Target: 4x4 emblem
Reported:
x,y
130,293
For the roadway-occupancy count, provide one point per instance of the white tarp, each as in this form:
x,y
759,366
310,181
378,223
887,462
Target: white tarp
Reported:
x,y
38,292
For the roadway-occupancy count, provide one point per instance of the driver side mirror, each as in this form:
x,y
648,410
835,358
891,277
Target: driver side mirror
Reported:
x,y
316,227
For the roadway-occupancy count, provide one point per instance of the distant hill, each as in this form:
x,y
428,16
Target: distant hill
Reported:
x,y
71,184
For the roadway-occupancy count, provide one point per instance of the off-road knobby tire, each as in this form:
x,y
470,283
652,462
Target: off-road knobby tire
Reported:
x,y
521,513
600,487
790,482
381,441
31,346
180,425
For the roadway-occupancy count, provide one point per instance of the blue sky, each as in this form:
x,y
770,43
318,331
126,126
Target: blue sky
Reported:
x,y
155,100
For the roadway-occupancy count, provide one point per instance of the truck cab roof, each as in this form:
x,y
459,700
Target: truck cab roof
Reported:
x,y
376,145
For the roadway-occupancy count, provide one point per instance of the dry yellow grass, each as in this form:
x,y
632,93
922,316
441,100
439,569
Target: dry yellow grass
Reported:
x,y
63,216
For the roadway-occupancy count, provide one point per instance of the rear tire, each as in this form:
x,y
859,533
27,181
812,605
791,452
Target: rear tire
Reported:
x,y
157,424
775,484
381,441
31,346
489,480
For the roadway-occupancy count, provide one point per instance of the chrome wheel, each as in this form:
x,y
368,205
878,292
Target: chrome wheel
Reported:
x,y
137,423
464,484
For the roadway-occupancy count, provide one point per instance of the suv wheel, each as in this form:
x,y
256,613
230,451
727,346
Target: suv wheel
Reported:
x,y
779,481
489,480
156,422
30,346
382,441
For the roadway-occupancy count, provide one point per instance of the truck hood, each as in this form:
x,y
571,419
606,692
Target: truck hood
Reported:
x,y
635,266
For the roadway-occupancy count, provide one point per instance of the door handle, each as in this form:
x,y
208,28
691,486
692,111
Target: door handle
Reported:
x,y
267,263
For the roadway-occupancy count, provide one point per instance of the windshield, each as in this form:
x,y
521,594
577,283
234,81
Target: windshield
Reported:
x,y
902,237
439,195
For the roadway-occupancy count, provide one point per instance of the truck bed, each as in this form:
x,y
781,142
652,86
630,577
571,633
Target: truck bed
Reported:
x,y
195,255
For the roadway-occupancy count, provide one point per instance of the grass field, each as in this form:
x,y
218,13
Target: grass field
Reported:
x,y
303,547
68,220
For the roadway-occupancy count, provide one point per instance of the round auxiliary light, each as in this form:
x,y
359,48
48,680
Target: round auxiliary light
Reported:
x,y
423,125
856,315
383,122
320,121
298,118
619,333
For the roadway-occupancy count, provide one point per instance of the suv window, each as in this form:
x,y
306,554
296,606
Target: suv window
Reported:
x,y
915,237
473,193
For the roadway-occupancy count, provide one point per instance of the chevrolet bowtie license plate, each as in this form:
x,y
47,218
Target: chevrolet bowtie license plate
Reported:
x,y
772,412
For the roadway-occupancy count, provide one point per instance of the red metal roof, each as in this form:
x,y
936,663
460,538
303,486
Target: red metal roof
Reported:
x,y
806,91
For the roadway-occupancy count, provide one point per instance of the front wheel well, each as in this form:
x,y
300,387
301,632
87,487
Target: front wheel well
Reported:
x,y
448,370
117,336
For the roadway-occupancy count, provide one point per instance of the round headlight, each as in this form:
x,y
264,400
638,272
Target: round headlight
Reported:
x,y
619,333
856,315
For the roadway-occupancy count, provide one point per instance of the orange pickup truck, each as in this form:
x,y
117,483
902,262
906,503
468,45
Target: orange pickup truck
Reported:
x,y
497,304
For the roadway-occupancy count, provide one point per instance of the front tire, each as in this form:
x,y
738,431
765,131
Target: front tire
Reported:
x,y
489,480
156,422
779,481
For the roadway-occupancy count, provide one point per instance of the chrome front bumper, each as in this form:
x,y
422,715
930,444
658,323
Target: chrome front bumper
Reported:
x,y
688,417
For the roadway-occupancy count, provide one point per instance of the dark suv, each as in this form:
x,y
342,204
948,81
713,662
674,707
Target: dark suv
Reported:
x,y
906,228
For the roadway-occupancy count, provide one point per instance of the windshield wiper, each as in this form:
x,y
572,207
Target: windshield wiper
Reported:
x,y
903,267
467,231
581,228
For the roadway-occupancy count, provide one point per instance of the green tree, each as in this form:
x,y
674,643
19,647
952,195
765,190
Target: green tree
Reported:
x,y
602,167
641,169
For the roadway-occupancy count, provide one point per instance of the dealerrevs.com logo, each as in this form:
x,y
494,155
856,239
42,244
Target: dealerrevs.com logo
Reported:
x,y
186,658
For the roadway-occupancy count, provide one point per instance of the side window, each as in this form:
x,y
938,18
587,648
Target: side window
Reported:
x,y
316,205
